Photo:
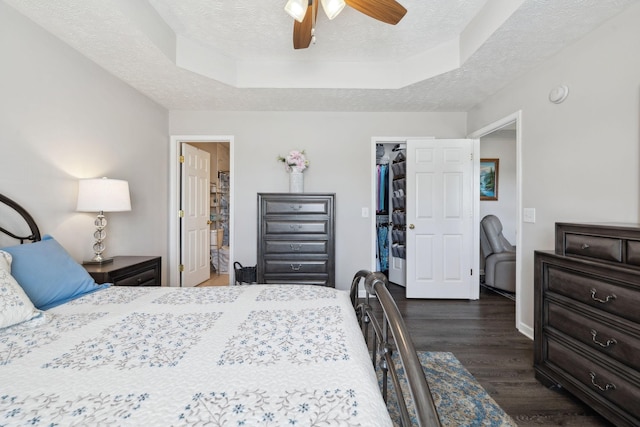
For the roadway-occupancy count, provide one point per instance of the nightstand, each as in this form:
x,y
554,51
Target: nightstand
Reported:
x,y
128,271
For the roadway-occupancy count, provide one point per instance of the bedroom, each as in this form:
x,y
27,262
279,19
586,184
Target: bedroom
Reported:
x,y
62,117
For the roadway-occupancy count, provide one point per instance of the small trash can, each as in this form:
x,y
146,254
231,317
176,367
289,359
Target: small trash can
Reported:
x,y
244,274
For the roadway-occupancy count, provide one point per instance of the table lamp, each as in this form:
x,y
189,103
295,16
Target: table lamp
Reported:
x,y
102,195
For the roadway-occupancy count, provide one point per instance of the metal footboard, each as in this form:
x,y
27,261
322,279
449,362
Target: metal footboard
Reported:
x,y
381,344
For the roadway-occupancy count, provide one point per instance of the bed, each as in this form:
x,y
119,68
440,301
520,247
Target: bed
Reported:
x,y
248,355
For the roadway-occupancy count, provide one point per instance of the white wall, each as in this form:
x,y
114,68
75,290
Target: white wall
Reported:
x,y
338,145
579,158
63,118
502,145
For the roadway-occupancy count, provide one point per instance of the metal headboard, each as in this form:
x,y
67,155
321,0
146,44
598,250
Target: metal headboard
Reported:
x,y
389,334
35,232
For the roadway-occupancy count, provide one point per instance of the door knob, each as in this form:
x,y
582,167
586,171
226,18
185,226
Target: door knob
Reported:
x,y
209,222
411,226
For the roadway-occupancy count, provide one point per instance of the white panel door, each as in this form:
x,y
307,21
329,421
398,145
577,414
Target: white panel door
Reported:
x,y
439,209
194,226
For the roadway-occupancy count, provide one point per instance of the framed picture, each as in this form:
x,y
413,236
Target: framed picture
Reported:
x,y
489,179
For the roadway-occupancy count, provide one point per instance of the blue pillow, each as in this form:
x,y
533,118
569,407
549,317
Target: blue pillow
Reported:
x,y
47,273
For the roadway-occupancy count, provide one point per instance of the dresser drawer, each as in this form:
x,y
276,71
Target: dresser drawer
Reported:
x,y
297,207
295,247
142,278
598,381
273,266
633,252
298,279
604,248
617,243
607,338
295,227
599,292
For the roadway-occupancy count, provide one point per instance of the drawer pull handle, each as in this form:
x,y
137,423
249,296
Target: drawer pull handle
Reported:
x,y
584,246
603,301
607,387
295,247
296,267
609,342
295,227
296,207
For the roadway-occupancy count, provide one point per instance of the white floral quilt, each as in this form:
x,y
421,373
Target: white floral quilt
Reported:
x,y
255,355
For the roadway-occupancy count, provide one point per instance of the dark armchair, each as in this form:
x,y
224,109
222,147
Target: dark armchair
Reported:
x,y
498,256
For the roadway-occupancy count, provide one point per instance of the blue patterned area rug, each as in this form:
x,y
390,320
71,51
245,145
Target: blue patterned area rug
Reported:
x,y
459,398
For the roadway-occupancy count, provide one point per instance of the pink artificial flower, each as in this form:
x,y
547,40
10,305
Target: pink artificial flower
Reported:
x,y
295,161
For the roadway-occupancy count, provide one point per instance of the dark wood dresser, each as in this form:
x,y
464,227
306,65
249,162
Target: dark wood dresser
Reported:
x,y
587,317
296,238
128,271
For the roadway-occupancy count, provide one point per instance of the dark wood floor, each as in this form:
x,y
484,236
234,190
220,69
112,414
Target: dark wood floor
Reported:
x,y
482,336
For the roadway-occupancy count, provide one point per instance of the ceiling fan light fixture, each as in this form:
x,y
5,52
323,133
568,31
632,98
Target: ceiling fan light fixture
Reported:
x,y
333,7
297,9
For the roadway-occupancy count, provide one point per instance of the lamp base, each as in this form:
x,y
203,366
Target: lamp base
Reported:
x,y
97,262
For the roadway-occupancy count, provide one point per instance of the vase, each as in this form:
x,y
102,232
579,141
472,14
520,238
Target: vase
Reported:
x,y
296,182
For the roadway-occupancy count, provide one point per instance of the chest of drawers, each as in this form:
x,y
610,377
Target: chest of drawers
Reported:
x,y
296,238
587,317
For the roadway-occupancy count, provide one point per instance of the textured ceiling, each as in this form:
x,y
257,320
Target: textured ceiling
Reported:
x,y
445,55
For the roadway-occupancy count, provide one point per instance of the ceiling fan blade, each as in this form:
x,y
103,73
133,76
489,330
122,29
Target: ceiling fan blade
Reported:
x,y
389,11
302,31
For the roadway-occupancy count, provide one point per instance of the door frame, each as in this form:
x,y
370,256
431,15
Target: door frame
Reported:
x,y
176,141
515,118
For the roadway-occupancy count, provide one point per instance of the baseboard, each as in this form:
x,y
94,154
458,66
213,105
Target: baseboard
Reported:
x,y
525,330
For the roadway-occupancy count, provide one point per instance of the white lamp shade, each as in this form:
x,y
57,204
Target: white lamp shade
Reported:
x,y
332,7
103,194
297,9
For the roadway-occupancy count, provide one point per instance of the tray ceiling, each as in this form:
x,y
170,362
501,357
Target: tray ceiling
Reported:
x,y
445,55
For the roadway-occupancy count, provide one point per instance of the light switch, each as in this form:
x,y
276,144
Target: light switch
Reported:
x,y
365,212
529,215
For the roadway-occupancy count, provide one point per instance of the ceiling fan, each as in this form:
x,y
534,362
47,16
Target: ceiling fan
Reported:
x,y
305,11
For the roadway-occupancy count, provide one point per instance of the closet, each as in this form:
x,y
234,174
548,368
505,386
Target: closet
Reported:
x,y
390,210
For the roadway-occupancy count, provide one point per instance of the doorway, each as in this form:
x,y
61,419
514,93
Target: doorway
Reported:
x,y
218,203
437,257
220,200
513,123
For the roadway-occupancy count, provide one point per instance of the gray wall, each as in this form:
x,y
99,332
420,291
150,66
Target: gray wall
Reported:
x,y
63,118
579,158
338,146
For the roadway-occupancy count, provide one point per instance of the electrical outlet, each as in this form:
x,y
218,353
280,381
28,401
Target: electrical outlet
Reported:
x,y
365,212
529,215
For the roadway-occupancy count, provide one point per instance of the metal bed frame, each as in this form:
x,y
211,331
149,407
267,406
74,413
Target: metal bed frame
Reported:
x,y
381,346
33,227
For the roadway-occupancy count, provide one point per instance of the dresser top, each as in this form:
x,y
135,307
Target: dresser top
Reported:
x,y
118,263
612,225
